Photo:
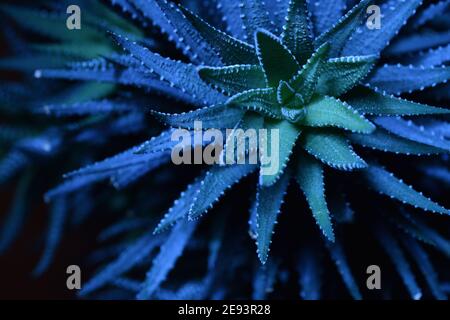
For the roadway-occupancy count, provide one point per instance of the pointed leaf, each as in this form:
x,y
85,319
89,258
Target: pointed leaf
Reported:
x,y
310,178
296,31
305,82
408,130
331,112
263,101
367,101
219,116
232,80
395,14
341,74
269,201
325,14
164,262
386,183
214,185
230,50
338,255
339,34
392,248
399,79
277,61
384,141
288,134
332,149
255,16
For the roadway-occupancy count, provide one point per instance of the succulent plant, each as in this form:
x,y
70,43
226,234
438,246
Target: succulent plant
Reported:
x,y
341,95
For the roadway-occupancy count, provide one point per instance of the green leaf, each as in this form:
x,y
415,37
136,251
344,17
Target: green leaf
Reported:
x,y
367,101
386,183
330,112
310,178
384,141
341,74
231,50
297,34
305,82
288,134
338,35
219,116
332,149
277,61
287,96
263,101
268,204
213,186
234,79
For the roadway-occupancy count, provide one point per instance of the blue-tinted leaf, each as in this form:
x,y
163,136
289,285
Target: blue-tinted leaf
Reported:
x,y
255,16
234,79
170,251
408,130
397,79
395,14
425,266
384,141
215,183
58,214
339,34
230,50
430,13
87,108
296,31
367,101
325,14
338,255
386,183
179,74
133,255
417,42
310,273
15,218
231,13
393,250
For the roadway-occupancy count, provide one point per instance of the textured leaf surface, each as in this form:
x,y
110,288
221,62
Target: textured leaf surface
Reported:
x,y
367,101
395,14
341,74
269,200
234,79
263,101
288,135
216,182
231,50
330,112
311,180
296,31
399,79
384,141
338,35
408,130
220,116
332,149
386,183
